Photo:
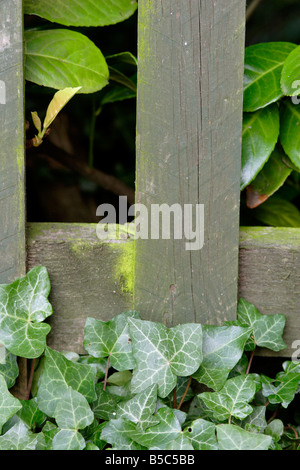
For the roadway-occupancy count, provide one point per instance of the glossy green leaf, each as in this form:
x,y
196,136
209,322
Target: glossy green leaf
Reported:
x,y
73,411
68,439
9,405
290,74
180,443
104,407
275,429
140,408
58,375
162,354
31,415
283,389
278,213
82,12
202,435
60,58
9,368
233,399
111,339
117,432
19,437
256,421
262,75
260,135
23,307
222,348
267,330
159,435
231,437
269,179
290,132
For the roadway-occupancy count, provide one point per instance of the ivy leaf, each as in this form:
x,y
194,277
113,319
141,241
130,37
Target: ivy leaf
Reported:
x,y
9,369
267,329
283,389
58,375
260,135
256,421
117,432
269,179
160,435
231,437
164,353
68,439
31,415
223,347
9,405
73,411
202,435
111,339
23,306
104,407
140,408
290,73
263,66
19,437
82,12
233,399
61,58
180,443
290,131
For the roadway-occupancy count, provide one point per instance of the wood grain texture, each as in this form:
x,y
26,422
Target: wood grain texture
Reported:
x,y
12,206
87,278
269,276
189,118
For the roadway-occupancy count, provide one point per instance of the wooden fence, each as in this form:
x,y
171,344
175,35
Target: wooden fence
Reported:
x,y
188,148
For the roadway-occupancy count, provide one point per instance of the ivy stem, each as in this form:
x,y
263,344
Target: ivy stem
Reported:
x,y
292,429
106,374
185,392
250,361
174,398
30,379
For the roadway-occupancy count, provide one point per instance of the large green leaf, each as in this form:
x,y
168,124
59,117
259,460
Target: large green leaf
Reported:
x,y
269,179
202,435
18,437
267,330
290,132
260,135
263,66
9,405
278,212
231,437
58,375
111,339
223,347
23,307
68,439
233,399
290,74
73,411
61,58
82,12
164,353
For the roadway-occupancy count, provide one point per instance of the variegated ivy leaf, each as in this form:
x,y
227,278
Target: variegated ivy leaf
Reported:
x,y
223,347
111,339
117,432
9,368
31,415
266,329
231,437
202,435
68,439
73,411
284,387
104,407
233,399
58,375
19,437
163,353
9,405
140,408
23,307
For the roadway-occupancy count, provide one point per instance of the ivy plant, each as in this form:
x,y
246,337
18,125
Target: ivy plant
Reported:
x,y
140,385
271,138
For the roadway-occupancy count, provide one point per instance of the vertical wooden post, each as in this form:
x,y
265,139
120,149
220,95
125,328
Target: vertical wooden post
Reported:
x,y
12,205
189,123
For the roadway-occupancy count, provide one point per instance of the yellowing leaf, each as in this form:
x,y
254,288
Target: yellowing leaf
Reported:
x,y
60,99
36,121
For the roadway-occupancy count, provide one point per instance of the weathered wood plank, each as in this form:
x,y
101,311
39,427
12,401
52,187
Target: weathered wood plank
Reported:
x,y
92,278
269,275
12,206
189,117
89,278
